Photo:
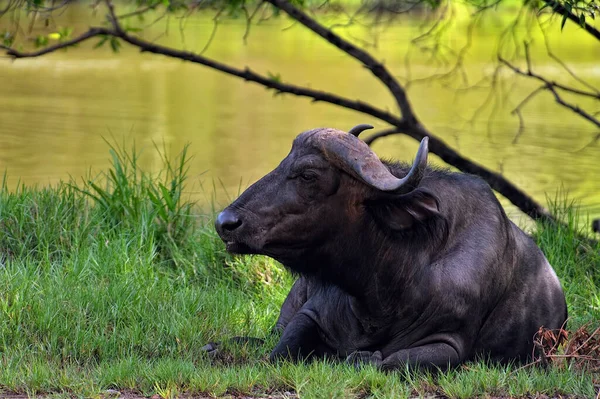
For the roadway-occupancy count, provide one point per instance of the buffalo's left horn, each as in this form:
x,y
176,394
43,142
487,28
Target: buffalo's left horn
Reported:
x,y
356,158
358,129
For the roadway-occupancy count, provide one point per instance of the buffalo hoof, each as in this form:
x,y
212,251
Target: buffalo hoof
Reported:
x,y
362,358
212,348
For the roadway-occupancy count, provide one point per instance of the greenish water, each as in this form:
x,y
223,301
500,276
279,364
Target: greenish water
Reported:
x,y
55,110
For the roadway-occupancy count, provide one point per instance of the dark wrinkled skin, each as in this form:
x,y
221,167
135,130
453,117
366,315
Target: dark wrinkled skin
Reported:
x,y
432,278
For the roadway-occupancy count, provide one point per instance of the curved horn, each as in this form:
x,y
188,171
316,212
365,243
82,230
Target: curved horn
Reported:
x,y
358,129
356,158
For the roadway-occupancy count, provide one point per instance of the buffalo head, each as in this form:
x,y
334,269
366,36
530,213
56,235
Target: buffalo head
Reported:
x,y
320,194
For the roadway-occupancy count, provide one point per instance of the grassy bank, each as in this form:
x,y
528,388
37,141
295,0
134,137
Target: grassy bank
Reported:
x,y
118,285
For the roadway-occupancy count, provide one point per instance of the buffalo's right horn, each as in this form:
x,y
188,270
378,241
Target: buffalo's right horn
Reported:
x,y
356,158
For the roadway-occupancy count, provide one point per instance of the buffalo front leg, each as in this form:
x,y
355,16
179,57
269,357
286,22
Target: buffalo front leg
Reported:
x,y
300,341
293,302
428,357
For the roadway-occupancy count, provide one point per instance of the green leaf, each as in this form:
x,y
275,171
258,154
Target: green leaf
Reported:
x,y
115,44
65,32
101,42
8,39
41,41
274,77
581,19
167,196
562,24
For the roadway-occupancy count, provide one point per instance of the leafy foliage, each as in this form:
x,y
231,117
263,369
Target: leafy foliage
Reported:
x,y
580,9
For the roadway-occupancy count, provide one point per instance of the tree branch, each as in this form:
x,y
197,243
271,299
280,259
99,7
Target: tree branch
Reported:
x,y
384,133
572,107
517,111
139,11
411,126
92,32
552,86
377,68
560,9
245,74
407,124
562,63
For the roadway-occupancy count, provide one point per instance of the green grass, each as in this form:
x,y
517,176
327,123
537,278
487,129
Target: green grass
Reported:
x,y
115,283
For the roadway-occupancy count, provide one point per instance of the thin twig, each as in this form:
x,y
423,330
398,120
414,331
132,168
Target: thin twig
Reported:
x,y
517,111
572,107
249,18
384,133
552,86
139,12
92,32
592,335
561,62
112,18
214,30
459,64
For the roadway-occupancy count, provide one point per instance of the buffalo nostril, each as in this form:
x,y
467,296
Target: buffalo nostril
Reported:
x,y
227,220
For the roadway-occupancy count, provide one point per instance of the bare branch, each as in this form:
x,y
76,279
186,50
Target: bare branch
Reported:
x,y
245,74
112,18
433,27
384,133
517,111
481,8
458,67
552,86
561,62
409,124
377,68
572,107
527,57
249,18
214,30
139,12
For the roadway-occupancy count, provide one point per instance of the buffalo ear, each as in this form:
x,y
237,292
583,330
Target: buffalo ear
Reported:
x,y
403,211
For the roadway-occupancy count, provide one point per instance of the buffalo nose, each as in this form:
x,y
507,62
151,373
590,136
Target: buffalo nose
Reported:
x,y
228,220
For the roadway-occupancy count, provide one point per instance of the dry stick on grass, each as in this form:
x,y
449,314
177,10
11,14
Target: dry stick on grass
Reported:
x,y
407,123
547,342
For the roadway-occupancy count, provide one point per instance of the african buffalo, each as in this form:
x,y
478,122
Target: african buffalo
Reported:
x,y
399,265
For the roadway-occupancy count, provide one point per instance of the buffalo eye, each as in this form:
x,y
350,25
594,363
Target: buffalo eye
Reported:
x,y
308,176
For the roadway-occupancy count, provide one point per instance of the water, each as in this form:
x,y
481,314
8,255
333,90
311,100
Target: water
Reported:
x,y
56,111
